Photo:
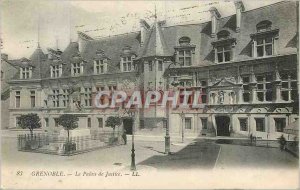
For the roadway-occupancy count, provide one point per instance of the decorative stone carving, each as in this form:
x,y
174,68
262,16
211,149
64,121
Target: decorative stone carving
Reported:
x,y
75,95
221,97
224,109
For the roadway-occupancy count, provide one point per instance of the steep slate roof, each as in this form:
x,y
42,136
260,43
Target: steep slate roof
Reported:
x,y
160,41
281,14
112,48
155,44
38,58
70,50
35,61
37,55
66,56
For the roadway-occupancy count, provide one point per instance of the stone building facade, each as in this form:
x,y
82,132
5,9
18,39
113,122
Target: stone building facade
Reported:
x,y
8,71
244,65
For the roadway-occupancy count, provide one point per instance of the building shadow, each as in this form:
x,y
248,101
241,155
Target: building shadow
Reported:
x,y
210,56
207,29
247,50
292,42
201,154
231,23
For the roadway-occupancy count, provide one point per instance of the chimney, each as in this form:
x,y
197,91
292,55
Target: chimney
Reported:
x,y
214,13
144,27
4,56
239,7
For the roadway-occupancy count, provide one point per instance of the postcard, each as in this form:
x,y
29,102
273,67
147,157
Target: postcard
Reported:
x,y
149,94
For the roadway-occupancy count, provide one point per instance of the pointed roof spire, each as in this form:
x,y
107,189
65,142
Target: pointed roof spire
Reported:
x,y
155,15
38,37
56,40
155,44
37,55
70,24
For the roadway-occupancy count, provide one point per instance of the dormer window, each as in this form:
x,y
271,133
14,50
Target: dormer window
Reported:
x,y
264,40
263,26
224,47
100,53
184,41
127,64
77,69
127,57
100,62
25,72
127,50
224,53
185,57
100,66
184,52
224,34
56,71
264,46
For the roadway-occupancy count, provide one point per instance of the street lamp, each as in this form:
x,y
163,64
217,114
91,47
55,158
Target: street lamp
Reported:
x,y
167,137
132,167
182,127
132,114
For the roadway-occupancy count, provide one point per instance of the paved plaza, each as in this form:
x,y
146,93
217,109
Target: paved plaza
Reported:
x,y
193,154
202,158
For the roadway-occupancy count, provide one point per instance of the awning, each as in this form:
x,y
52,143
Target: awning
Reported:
x,y
292,128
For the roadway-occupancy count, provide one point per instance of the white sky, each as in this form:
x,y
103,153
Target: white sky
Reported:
x,y
19,19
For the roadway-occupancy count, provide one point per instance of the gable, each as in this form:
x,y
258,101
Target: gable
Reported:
x,y
224,83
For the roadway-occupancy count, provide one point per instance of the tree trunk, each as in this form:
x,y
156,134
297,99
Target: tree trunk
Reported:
x,y
114,131
31,132
68,136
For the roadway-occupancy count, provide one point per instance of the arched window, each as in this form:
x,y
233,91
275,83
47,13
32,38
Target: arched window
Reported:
x,y
100,52
184,41
224,34
126,49
263,26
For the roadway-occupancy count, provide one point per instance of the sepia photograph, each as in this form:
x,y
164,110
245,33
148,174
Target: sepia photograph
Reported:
x,y
149,94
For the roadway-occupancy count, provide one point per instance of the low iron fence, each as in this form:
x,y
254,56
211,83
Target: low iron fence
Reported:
x,y
55,144
255,142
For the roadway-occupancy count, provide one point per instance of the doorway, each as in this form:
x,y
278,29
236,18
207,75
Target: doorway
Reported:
x,y
223,123
127,123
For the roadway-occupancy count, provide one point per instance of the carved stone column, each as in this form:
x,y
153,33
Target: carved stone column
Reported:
x,y
253,87
253,94
277,93
277,85
240,99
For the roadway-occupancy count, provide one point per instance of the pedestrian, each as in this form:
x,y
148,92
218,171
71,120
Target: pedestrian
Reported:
x,y
124,137
282,142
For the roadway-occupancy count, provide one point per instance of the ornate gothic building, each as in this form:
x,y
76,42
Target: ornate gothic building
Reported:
x,y
244,65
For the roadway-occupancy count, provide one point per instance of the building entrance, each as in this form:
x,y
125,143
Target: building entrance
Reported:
x,y
223,123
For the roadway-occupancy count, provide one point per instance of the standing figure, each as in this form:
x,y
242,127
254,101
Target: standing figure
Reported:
x,y
124,137
221,97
